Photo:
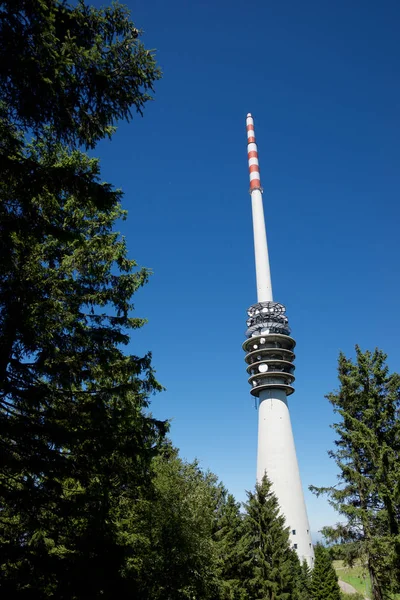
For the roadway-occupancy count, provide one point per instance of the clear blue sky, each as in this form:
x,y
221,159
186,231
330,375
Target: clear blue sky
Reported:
x,y
322,81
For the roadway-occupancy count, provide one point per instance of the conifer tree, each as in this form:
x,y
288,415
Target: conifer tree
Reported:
x,y
368,456
228,531
76,440
306,575
302,579
268,571
324,581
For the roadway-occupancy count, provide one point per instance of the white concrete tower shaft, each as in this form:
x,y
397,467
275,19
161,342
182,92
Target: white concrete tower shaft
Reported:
x,y
269,356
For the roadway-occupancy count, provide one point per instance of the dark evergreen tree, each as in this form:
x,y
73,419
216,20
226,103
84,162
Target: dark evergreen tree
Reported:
x,y
267,568
228,531
72,67
368,456
306,577
77,442
324,581
302,579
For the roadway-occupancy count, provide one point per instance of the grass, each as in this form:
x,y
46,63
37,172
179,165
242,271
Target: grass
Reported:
x,y
355,576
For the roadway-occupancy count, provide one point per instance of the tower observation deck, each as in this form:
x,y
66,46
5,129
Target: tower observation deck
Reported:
x,y
270,358
269,348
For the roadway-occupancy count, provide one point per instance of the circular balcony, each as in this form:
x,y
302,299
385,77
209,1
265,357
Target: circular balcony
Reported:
x,y
270,341
282,354
277,366
264,383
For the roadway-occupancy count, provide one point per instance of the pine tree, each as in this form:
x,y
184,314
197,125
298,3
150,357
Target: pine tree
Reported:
x,y
324,581
77,442
368,456
267,568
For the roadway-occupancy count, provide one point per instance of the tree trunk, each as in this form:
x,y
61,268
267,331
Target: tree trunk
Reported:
x,y
376,590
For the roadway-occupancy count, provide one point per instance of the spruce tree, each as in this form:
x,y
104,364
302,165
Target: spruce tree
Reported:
x,y
72,67
306,579
76,438
267,567
368,456
324,581
228,531
302,579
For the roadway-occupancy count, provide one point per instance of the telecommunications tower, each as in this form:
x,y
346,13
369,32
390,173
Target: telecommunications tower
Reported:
x,y
269,357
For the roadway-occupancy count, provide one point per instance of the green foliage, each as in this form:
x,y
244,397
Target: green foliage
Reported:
x,y
368,456
302,579
324,581
337,551
76,437
75,68
268,569
180,560
228,532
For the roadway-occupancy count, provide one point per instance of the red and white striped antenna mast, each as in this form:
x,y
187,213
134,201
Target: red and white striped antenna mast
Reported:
x,y
263,270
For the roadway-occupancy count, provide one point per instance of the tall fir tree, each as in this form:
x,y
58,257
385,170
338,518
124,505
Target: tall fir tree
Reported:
x,y
302,579
77,441
305,581
324,581
368,456
267,566
227,535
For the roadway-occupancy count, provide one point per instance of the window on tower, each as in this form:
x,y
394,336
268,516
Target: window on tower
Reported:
x,y
293,532
295,546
